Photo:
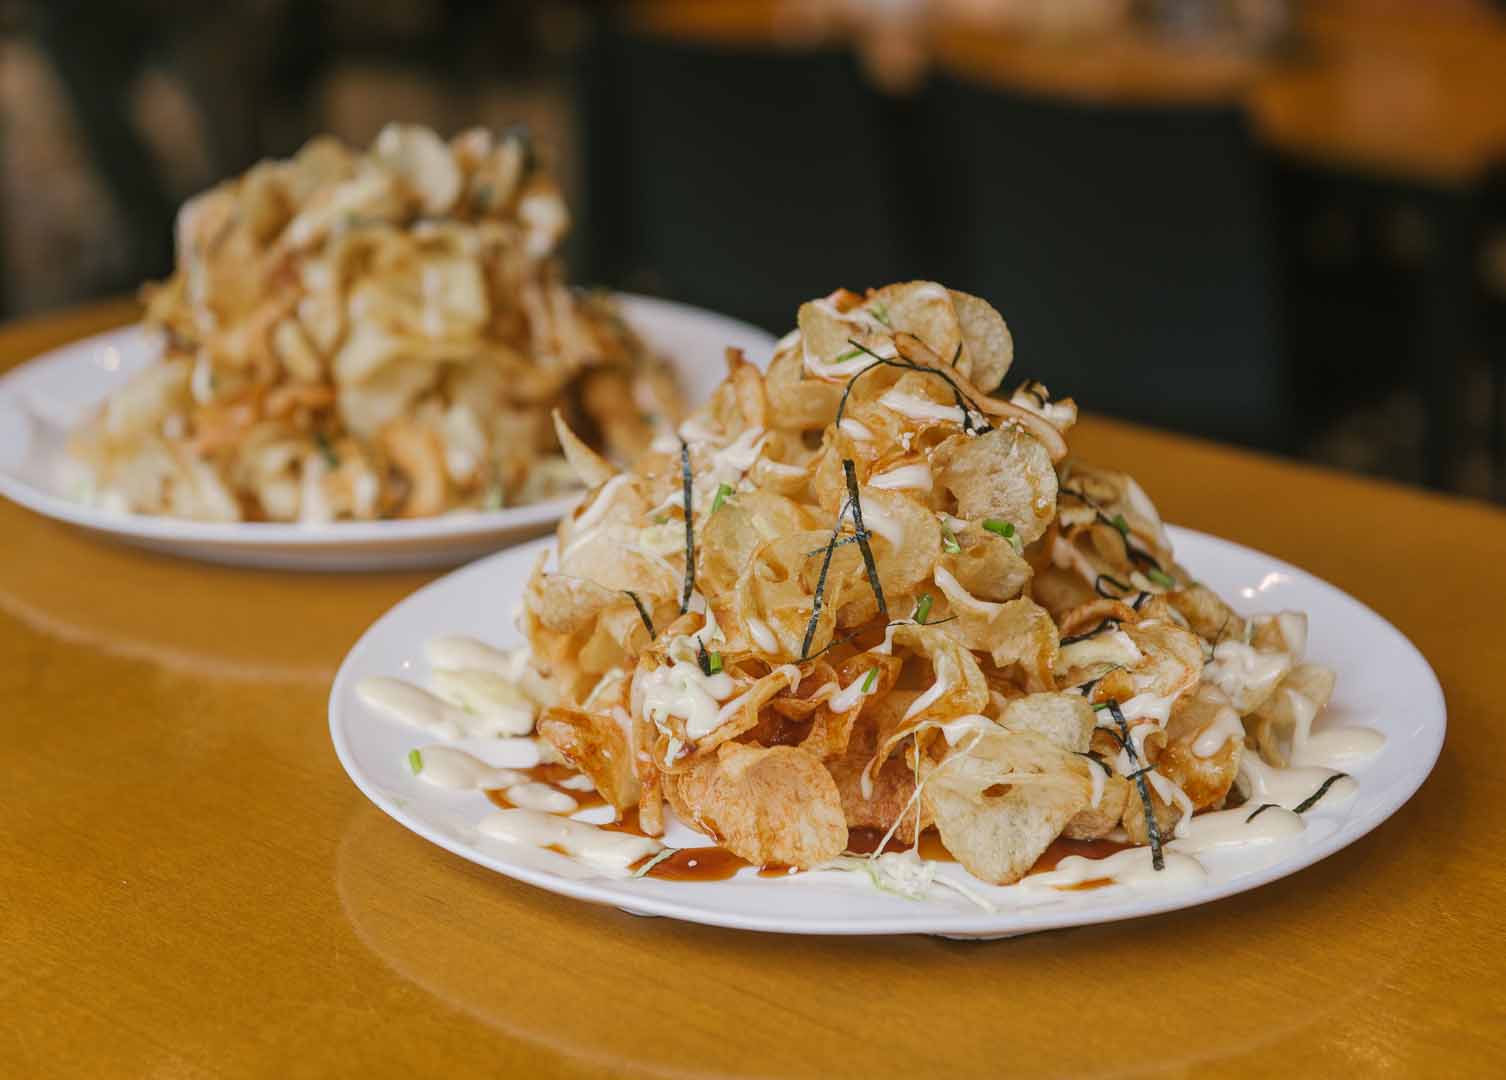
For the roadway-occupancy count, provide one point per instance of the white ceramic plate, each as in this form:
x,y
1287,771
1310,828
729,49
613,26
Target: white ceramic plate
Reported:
x,y
1383,682
45,398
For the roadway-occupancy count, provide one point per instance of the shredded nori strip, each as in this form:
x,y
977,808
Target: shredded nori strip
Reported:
x,y
964,402
1098,587
642,613
1144,596
687,484
1075,638
1152,827
1312,800
1262,808
701,656
820,593
857,519
1096,760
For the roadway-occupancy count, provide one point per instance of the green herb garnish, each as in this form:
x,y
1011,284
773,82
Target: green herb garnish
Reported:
x,y
716,663
1101,705
332,459
949,540
1005,529
848,355
881,313
922,608
655,861
1119,523
1161,578
722,491
415,762
869,680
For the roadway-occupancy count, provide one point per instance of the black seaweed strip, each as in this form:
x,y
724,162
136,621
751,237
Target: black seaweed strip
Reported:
x,y
688,486
1096,760
965,403
1075,638
1144,596
1152,827
1312,800
857,519
1097,587
1262,808
816,598
702,657
642,613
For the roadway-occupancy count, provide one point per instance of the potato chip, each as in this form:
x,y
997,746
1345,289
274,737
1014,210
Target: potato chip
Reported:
x,y
1000,797
596,745
773,806
1004,476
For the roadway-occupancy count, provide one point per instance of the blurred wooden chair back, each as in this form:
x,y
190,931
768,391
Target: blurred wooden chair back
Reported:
x,y
1130,248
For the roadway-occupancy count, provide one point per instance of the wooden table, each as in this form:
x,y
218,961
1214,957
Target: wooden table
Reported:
x,y
192,887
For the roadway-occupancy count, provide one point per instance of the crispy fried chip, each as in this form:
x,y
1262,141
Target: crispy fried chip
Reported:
x,y
598,746
773,806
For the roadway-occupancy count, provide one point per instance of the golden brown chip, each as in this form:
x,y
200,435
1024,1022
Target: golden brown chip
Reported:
x,y
987,345
773,806
1000,797
597,745
1005,475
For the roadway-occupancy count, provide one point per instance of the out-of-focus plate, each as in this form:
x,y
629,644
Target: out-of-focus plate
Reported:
x,y
44,399
1383,682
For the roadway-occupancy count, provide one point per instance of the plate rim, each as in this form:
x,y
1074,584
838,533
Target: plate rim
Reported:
x,y
266,535
982,925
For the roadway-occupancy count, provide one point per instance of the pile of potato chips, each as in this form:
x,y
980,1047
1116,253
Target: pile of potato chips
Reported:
x,y
865,590
362,336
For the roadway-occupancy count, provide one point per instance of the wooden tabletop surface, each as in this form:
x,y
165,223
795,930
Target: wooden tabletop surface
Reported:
x,y
192,887
1409,89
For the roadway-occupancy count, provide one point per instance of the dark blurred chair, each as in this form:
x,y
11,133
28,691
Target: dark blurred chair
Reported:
x,y
1131,250
742,179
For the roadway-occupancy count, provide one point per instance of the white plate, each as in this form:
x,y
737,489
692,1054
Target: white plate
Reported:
x,y
47,397
1383,682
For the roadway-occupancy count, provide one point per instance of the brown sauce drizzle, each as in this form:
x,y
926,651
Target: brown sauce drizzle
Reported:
x,y
1061,847
696,864
551,773
866,842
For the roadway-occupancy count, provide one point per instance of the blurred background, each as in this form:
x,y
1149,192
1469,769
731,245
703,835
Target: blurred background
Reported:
x,y
1275,222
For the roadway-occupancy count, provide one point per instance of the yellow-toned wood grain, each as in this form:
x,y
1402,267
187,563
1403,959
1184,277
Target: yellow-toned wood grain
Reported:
x,y
189,885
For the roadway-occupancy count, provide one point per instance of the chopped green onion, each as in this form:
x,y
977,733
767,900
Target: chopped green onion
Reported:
x,y
922,608
415,762
1100,706
331,459
1119,523
716,663
722,491
655,861
1161,578
660,519
881,313
1006,530
949,540
848,355
869,679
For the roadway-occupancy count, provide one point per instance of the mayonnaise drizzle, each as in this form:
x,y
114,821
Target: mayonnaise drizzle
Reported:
x,y
611,852
761,634
1237,828
410,705
918,408
916,477
1132,867
856,430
